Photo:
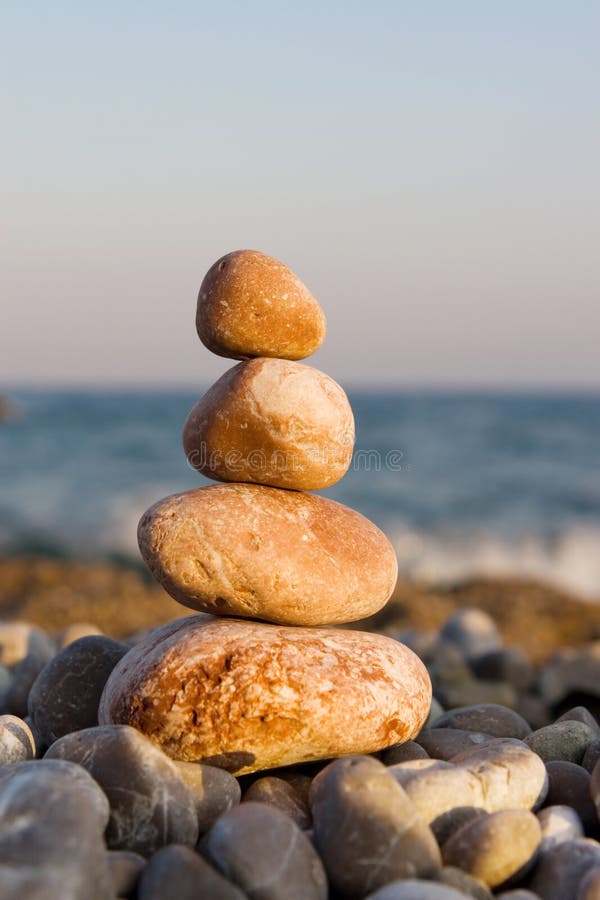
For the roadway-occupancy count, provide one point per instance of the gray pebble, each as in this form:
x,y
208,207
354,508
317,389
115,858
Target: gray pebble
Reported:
x,y
486,718
26,670
17,743
214,791
581,714
506,664
558,824
125,869
413,889
570,785
472,631
65,695
150,804
75,631
284,795
517,894
591,755
18,640
571,672
5,683
446,743
263,851
179,872
435,711
589,888
461,881
366,829
473,692
561,869
563,740
534,710
403,753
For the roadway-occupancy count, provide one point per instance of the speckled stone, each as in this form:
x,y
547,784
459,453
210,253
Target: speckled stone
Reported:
x,y
263,851
17,743
366,829
561,869
566,740
581,714
150,804
558,824
214,791
486,718
180,873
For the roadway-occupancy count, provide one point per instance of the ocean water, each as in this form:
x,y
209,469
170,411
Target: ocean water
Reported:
x,y
463,484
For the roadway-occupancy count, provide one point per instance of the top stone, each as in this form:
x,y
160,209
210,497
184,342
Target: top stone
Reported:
x,y
252,305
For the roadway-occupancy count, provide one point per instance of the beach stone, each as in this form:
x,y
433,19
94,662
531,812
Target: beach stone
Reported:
x,y
581,714
571,672
446,743
214,791
18,640
282,794
266,696
473,692
75,631
178,871
504,664
415,889
273,422
486,718
66,693
591,755
124,869
589,887
517,894
512,776
52,816
595,787
461,881
558,824
403,753
263,851
366,829
17,743
534,710
435,711
150,804
561,869
495,848
563,740
437,788
472,631
5,683
250,304
421,641
570,785
292,558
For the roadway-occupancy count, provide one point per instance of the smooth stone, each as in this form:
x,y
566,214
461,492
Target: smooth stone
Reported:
x,y
366,829
446,743
504,664
6,678
263,851
558,824
282,794
517,894
595,787
437,788
461,881
486,718
273,422
570,785
448,665
534,710
75,631
17,743
421,641
125,868
250,304
18,640
266,695
566,741
589,888
472,631
150,804
403,753
561,869
414,889
435,711
214,791
512,775
473,693
179,872
65,695
581,714
571,672
259,552
495,848
591,755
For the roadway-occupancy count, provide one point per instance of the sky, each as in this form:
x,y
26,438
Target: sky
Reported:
x,y
430,170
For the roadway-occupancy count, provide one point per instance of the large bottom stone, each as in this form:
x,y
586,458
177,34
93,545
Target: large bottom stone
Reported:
x,y
248,696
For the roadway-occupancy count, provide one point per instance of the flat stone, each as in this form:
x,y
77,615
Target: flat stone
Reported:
x,y
263,851
570,785
291,558
150,804
561,869
495,848
66,693
214,791
566,740
473,631
125,869
558,824
17,743
284,795
266,696
179,872
250,304
486,718
366,829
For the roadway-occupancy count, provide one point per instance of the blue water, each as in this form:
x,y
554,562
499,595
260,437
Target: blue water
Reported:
x,y
463,484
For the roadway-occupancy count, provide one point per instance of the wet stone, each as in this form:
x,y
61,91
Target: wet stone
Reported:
x,y
214,791
558,824
17,743
282,794
179,872
150,804
263,851
125,869
566,740
366,829
570,785
486,718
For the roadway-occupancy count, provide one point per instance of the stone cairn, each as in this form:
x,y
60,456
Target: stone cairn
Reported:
x,y
257,684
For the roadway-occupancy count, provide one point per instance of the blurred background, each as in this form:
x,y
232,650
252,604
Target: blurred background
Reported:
x,y
429,170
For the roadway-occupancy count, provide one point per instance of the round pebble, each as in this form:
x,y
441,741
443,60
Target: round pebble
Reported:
x,y
125,869
558,824
566,740
258,552
150,804
403,753
589,887
472,631
17,743
461,881
179,872
413,889
439,788
282,794
591,755
366,829
488,718
561,869
214,791
504,664
250,304
512,775
446,743
263,851
570,785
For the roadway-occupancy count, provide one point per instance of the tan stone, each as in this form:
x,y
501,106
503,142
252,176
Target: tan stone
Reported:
x,y
248,696
252,305
274,422
259,552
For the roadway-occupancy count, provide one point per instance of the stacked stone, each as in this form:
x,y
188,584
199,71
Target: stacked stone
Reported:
x,y
262,684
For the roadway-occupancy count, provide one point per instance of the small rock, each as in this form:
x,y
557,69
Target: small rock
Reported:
x,y
5,684
570,785
284,796
563,740
214,791
18,640
561,869
150,804
495,848
263,851
17,743
506,664
571,672
366,829
517,894
179,872
473,693
74,632
413,889
581,714
125,869
435,711
534,710
65,695
446,743
591,755
486,718
473,632
512,775
403,753
558,824
461,881
439,788
589,887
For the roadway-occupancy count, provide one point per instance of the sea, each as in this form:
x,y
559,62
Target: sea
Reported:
x,y
464,484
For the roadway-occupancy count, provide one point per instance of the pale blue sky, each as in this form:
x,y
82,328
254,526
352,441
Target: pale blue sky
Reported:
x,y
430,169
